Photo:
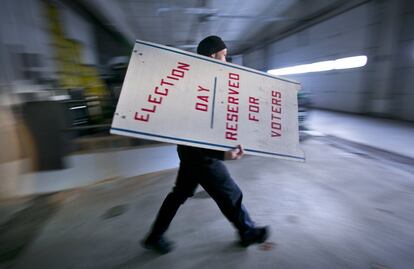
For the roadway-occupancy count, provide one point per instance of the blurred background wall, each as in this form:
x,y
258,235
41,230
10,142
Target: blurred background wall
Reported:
x,y
381,30
55,43
56,83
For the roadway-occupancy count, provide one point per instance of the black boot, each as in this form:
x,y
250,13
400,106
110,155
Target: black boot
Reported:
x,y
160,245
254,236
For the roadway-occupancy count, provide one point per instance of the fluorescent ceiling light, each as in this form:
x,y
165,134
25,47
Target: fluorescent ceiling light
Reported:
x,y
342,63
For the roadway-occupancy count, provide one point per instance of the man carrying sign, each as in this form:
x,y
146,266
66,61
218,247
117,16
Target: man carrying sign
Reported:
x,y
205,167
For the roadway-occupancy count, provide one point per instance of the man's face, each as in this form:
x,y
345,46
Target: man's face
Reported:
x,y
220,55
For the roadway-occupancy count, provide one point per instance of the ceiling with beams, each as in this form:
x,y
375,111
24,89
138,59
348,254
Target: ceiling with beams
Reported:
x,y
243,24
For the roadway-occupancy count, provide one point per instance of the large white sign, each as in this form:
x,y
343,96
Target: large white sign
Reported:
x,y
180,97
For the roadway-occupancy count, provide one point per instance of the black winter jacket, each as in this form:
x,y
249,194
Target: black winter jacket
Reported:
x,y
189,154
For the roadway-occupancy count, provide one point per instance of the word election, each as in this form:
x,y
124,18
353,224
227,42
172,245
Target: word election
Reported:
x,y
161,91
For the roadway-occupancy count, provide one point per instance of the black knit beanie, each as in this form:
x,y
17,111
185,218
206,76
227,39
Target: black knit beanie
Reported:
x,y
210,45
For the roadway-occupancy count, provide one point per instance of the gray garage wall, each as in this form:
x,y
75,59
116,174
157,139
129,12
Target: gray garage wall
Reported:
x,y
24,41
382,30
403,95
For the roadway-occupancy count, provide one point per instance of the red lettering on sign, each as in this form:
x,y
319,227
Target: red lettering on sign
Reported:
x,y
233,100
276,94
176,74
164,82
203,98
201,89
253,109
201,107
234,76
276,101
276,117
183,66
154,107
234,109
232,116
253,100
141,117
154,100
276,126
276,109
275,134
231,126
233,84
231,135
233,91
157,91
253,117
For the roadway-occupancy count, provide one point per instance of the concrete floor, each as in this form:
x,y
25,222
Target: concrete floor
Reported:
x,y
91,167
388,135
340,209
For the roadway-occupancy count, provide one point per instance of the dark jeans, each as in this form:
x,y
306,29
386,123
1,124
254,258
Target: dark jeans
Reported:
x,y
216,180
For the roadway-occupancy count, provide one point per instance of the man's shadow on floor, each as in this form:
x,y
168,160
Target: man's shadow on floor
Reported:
x,y
146,256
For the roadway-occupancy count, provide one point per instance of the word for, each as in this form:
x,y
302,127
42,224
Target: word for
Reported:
x,y
254,108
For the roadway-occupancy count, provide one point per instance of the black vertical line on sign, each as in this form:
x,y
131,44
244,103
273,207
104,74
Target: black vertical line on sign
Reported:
x,y
214,102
